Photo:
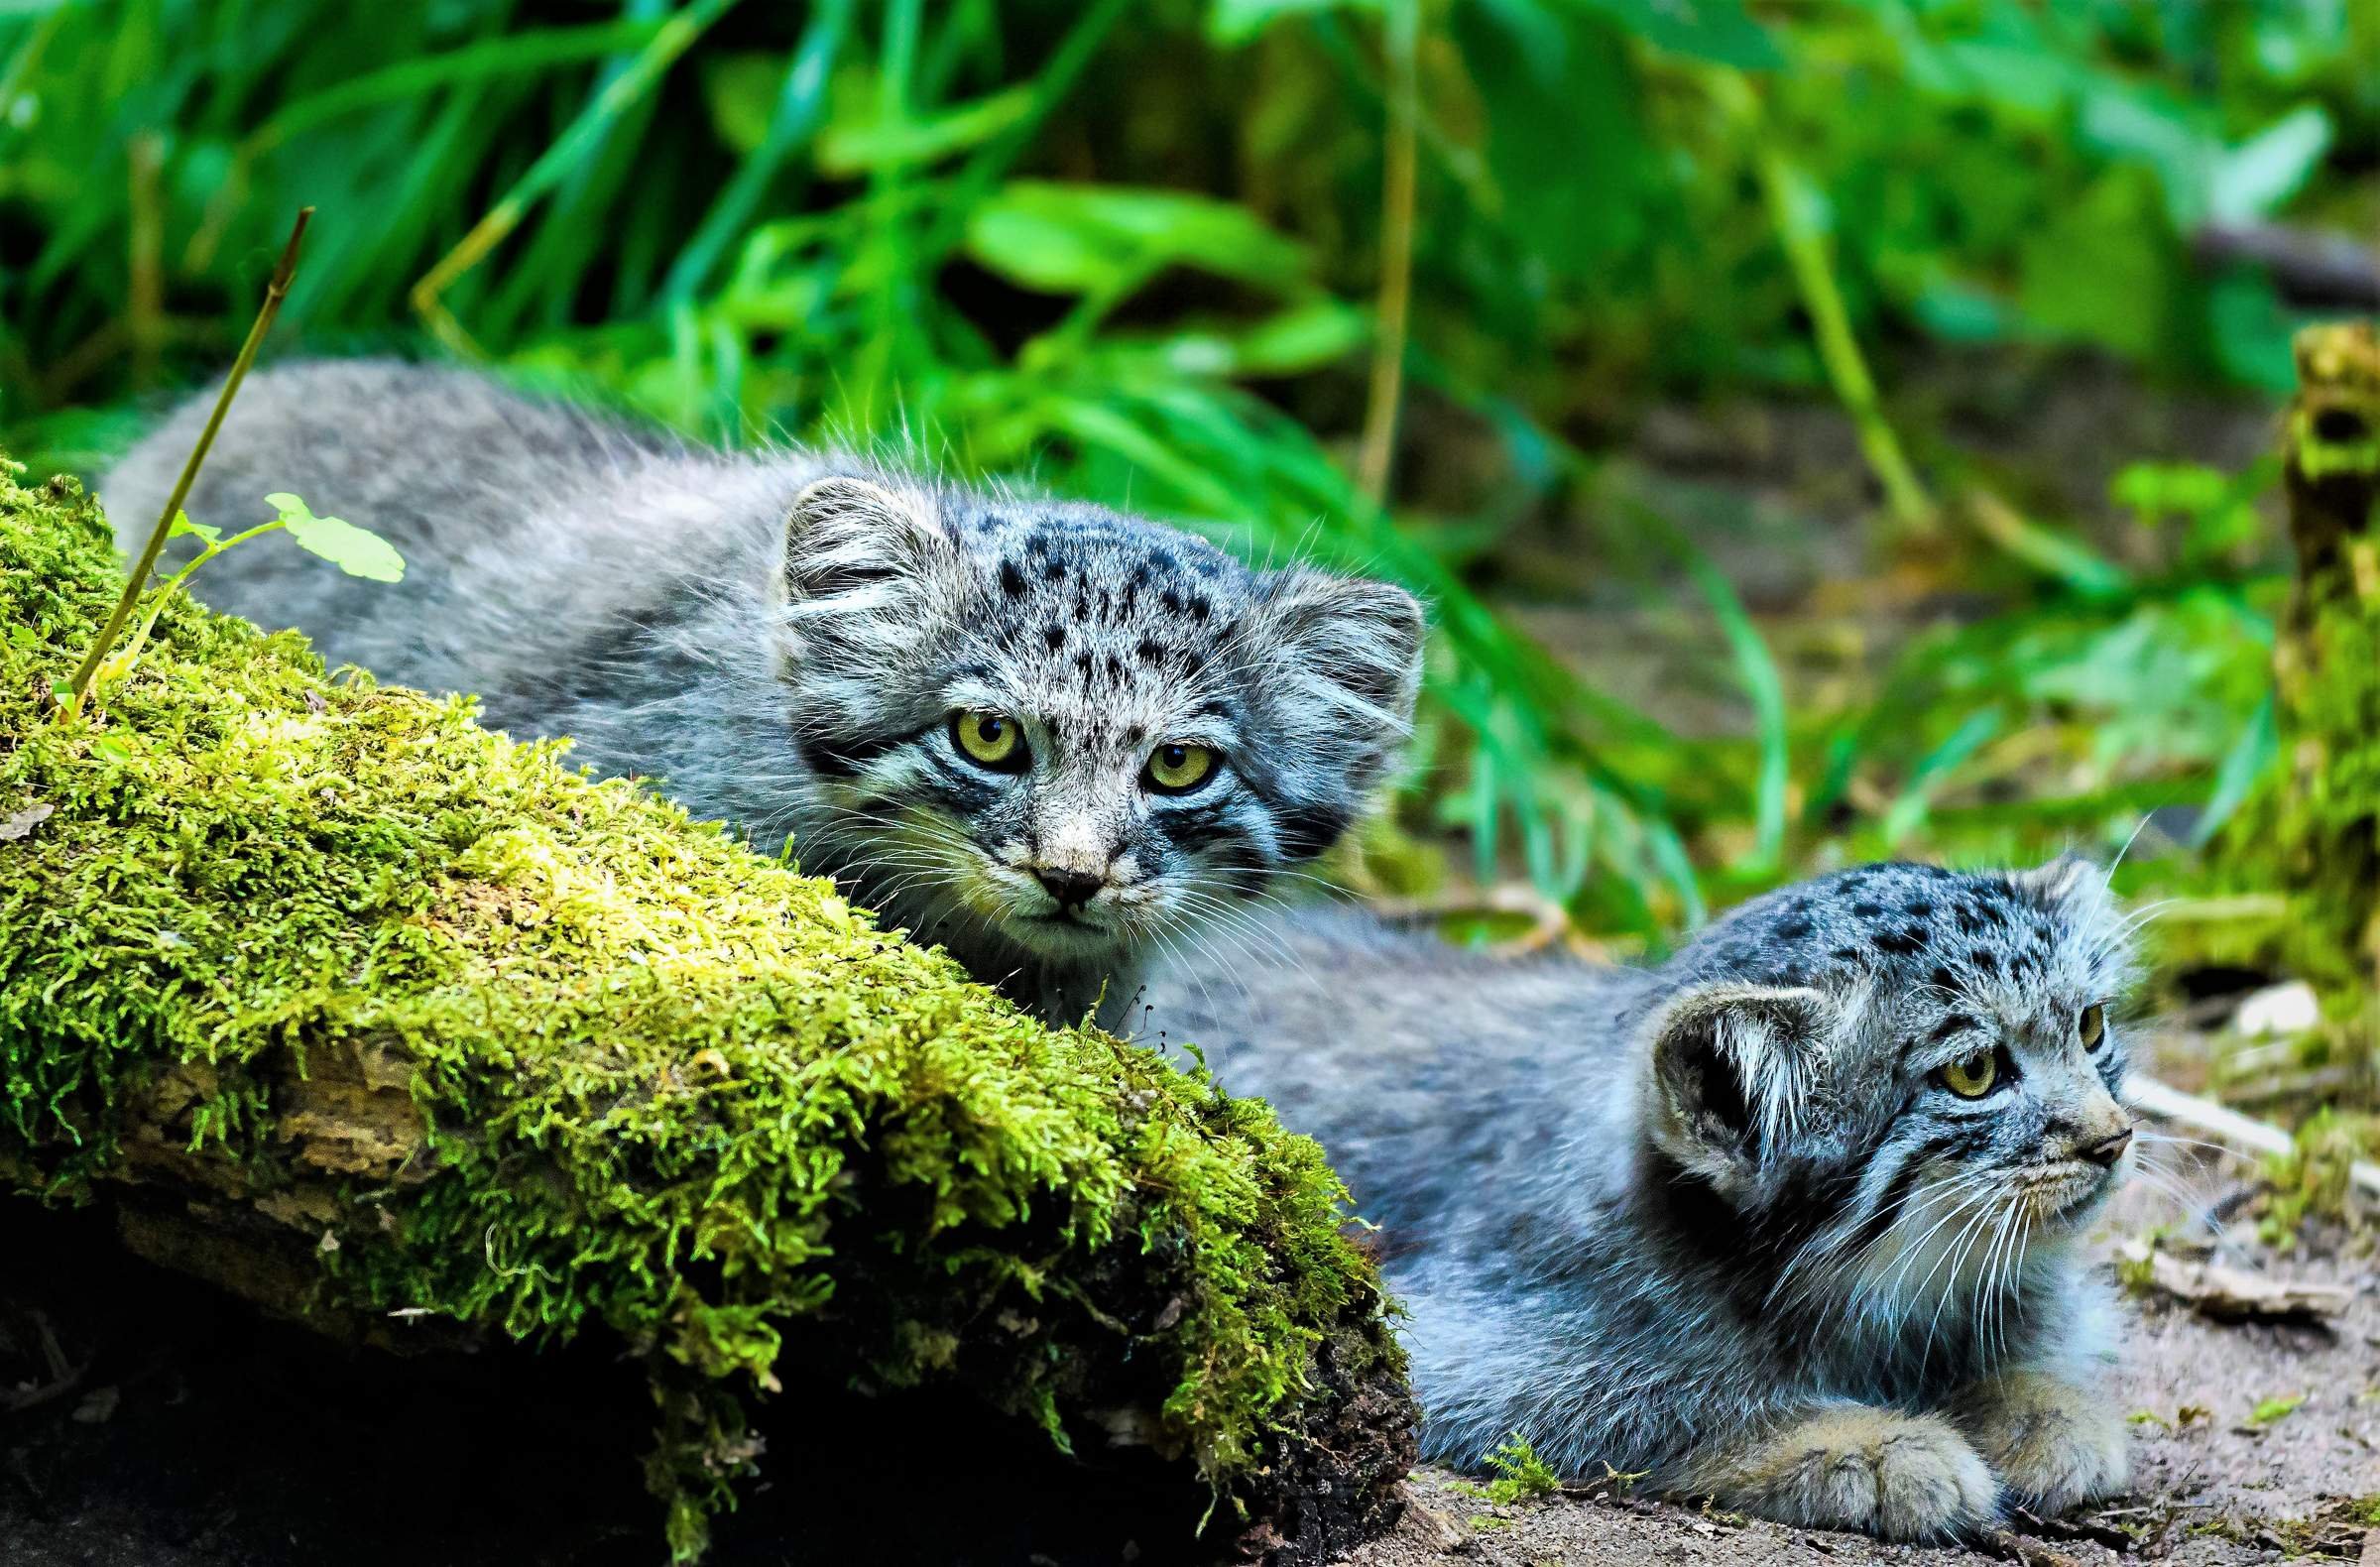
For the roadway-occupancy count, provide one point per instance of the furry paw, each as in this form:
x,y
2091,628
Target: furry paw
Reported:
x,y
2052,1443
1900,1476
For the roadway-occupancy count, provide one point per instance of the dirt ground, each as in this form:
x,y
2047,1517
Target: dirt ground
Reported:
x,y
2209,1484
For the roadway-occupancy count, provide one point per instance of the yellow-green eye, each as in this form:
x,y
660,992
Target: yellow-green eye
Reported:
x,y
1973,1078
1179,768
989,740
2094,1026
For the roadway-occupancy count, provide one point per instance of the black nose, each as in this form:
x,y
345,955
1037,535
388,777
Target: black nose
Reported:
x,y
2108,1151
1072,889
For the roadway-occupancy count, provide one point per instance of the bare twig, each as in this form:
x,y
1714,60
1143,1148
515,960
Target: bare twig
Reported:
x,y
2057,1529
144,301
2008,1547
2232,1294
2313,266
274,291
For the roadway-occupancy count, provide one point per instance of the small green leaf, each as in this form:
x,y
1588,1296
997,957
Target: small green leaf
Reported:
x,y
182,524
108,749
2278,1409
1079,238
358,552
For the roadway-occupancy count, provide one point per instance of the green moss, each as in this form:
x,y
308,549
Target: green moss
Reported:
x,y
674,1090
2315,1178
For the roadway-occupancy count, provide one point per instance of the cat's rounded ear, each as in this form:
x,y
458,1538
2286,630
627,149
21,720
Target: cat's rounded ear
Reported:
x,y
847,536
2076,892
2065,880
1355,643
1733,1068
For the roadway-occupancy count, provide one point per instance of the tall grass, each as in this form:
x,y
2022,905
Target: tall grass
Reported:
x,y
1133,250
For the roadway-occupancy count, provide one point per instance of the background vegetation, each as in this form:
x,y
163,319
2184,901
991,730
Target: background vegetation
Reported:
x,y
1824,426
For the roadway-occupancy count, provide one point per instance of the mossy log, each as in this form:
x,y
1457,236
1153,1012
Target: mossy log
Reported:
x,y
384,1021
2318,823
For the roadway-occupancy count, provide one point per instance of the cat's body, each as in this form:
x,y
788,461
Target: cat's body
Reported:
x,y
956,703
1725,1223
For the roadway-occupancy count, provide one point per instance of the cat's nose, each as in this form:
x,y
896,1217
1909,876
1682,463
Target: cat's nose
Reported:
x,y
1072,889
2108,1150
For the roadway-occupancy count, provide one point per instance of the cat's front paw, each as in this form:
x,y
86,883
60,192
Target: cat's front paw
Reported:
x,y
1900,1476
2052,1443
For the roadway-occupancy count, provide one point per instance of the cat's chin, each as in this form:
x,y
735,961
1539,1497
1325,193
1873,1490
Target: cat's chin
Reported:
x,y
2070,1200
1070,937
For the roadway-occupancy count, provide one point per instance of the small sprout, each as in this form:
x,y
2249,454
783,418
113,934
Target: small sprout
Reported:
x,y
183,527
2136,1268
358,552
2149,1417
1624,1480
1519,1472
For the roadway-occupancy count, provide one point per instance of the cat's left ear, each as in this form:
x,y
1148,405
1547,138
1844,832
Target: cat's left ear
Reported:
x,y
1356,642
1733,1068
2075,891
2061,880
2072,888
849,538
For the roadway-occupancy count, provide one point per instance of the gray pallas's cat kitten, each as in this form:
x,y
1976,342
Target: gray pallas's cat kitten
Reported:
x,y
1042,734
1791,1219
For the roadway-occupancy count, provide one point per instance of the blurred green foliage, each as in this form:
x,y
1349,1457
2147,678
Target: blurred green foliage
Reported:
x,y
1130,250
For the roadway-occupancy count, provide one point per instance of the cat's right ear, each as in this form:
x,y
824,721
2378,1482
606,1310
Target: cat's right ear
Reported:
x,y
850,538
1733,1068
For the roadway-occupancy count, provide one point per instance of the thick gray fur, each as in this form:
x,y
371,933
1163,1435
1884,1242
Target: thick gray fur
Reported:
x,y
781,640
1722,1222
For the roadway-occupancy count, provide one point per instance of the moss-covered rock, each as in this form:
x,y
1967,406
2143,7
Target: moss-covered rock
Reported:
x,y
404,1018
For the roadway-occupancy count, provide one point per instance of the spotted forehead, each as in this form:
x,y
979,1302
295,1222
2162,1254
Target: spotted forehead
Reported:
x,y
1110,629
1958,934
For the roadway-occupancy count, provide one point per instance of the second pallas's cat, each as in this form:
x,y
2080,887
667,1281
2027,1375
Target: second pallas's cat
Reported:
x,y
1791,1221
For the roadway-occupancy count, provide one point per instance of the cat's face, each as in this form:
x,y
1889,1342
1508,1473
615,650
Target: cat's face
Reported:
x,y
1911,1076
1075,733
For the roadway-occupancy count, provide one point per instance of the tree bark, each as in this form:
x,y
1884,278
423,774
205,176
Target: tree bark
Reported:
x,y
2321,822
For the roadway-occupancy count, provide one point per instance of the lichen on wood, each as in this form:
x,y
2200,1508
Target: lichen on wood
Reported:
x,y
382,1019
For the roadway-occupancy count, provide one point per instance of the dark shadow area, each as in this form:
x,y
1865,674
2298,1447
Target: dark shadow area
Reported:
x,y
187,1432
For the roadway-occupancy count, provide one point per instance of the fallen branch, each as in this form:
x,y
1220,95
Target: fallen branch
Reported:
x,y
2233,1294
